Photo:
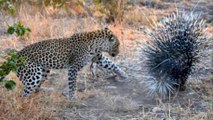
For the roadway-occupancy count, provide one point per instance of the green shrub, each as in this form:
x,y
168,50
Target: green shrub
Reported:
x,y
55,3
11,64
7,5
19,29
112,8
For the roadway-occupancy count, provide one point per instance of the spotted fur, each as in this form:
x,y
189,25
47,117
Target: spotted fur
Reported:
x,y
104,62
71,53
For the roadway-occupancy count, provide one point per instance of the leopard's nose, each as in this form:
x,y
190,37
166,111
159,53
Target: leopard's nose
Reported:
x,y
113,54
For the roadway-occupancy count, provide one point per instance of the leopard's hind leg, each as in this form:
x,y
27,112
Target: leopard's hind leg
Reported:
x,y
32,76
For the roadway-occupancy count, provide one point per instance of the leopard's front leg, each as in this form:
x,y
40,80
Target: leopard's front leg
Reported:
x,y
104,62
72,75
73,70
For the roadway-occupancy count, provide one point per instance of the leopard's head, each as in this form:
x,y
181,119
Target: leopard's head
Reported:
x,y
113,43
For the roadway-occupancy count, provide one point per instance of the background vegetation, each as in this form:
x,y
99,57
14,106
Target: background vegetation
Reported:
x,y
25,22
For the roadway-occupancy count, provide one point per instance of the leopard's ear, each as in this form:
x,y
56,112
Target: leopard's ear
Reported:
x,y
107,29
110,34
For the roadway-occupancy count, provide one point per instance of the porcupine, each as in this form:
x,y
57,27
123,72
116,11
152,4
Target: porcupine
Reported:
x,y
174,51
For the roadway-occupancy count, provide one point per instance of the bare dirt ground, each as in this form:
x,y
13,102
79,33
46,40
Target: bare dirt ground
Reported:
x,y
110,98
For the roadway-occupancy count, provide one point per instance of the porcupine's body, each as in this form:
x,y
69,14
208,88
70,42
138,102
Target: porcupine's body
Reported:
x,y
173,52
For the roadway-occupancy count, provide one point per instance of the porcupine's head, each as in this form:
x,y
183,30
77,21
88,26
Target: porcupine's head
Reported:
x,y
173,51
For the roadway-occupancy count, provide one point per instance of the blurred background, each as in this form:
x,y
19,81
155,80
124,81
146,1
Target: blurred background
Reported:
x,y
23,22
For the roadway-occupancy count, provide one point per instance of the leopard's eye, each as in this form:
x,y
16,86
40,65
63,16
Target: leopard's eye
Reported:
x,y
111,38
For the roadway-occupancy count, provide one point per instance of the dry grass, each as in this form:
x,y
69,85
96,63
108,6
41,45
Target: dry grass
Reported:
x,y
52,23
13,107
44,27
38,106
140,16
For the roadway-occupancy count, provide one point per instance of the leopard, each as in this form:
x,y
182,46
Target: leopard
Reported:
x,y
71,53
106,65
